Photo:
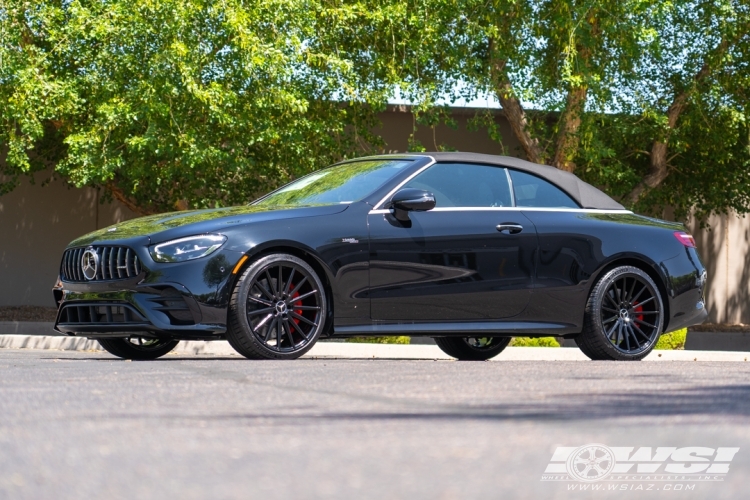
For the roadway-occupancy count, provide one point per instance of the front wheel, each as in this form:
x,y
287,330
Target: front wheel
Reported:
x,y
472,348
624,316
138,347
278,309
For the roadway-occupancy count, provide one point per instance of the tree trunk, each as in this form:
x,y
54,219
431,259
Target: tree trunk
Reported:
x,y
658,169
570,123
512,107
125,200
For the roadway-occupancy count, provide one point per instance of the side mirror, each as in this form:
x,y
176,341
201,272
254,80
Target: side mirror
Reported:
x,y
411,200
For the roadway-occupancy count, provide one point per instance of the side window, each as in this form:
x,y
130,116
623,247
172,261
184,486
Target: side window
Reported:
x,y
533,191
465,185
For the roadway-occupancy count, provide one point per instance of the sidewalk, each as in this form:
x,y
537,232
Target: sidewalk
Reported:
x,y
342,350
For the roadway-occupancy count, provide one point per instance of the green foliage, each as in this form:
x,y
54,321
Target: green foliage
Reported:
x,y
203,103
672,340
534,342
191,103
379,340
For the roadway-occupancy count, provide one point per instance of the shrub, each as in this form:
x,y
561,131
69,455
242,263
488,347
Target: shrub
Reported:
x,y
380,340
536,342
672,340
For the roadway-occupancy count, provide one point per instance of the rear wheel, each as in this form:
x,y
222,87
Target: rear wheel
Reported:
x,y
278,309
472,348
138,347
624,316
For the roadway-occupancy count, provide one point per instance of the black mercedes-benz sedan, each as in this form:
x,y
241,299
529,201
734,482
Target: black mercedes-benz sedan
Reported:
x,y
469,249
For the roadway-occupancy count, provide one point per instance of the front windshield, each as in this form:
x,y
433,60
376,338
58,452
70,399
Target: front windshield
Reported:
x,y
339,184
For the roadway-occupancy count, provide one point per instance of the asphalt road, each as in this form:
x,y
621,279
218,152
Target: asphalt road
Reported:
x,y
86,425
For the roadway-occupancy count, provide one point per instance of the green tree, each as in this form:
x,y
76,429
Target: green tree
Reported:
x,y
645,98
176,103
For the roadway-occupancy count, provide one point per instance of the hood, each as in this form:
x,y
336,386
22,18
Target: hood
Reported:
x,y
162,227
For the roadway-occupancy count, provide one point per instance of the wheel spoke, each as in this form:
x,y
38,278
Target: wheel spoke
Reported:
x,y
297,287
271,285
301,297
261,311
263,322
306,308
302,318
289,282
271,328
280,282
646,312
260,301
646,301
643,289
632,290
617,292
609,309
288,332
611,331
610,320
278,334
263,290
611,301
644,323
641,332
626,331
631,332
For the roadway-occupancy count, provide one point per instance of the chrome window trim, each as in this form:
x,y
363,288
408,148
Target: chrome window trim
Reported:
x,y
515,209
393,191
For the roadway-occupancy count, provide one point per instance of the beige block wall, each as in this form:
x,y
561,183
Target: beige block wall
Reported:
x,y
724,248
36,223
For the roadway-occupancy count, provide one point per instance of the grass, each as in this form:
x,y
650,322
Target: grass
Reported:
x,y
672,340
668,341
380,340
535,342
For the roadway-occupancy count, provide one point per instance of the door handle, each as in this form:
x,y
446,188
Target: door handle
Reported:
x,y
511,227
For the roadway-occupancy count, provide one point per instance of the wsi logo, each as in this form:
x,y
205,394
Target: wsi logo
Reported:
x,y
597,462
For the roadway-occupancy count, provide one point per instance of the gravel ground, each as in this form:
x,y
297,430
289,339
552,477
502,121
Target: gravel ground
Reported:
x,y
86,425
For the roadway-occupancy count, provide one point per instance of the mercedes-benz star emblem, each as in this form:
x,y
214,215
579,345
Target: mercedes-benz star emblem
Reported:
x,y
90,263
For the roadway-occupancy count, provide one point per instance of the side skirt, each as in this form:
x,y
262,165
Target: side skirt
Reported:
x,y
499,328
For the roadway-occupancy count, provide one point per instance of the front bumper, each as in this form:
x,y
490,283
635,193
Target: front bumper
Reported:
x,y
185,301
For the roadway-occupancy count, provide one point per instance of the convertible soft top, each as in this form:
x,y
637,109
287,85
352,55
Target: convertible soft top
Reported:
x,y
585,194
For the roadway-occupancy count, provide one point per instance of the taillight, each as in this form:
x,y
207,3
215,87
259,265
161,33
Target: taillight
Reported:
x,y
685,238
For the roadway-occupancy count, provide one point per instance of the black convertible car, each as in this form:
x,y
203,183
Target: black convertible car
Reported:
x,y
469,249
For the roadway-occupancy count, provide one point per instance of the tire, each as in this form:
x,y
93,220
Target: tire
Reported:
x,y
624,316
138,347
268,321
472,348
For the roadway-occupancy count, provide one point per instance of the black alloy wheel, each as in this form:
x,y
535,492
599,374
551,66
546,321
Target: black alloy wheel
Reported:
x,y
624,316
138,348
472,348
278,309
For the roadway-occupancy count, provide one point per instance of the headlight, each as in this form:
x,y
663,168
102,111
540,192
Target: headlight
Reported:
x,y
192,247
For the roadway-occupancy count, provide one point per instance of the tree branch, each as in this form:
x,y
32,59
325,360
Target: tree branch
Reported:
x,y
120,196
512,108
658,169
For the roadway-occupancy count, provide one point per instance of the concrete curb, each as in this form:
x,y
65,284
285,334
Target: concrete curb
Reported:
x,y
341,350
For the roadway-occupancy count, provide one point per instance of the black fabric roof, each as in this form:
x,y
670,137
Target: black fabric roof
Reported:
x,y
585,194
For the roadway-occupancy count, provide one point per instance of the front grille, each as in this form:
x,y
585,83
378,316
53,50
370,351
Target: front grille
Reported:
x,y
115,263
97,314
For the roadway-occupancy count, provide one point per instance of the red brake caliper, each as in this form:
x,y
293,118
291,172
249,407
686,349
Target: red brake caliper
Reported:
x,y
296,304
638,309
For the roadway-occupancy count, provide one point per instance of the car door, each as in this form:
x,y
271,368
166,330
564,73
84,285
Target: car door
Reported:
x,y
469,258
